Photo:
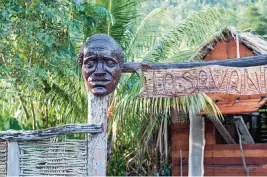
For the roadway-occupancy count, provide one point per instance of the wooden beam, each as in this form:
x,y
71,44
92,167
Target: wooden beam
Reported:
x,y
196,145
245,105
258,60
226,97
234,111
222,130
244,130
12,135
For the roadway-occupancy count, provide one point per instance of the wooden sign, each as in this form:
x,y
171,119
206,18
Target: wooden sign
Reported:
x,y
204,79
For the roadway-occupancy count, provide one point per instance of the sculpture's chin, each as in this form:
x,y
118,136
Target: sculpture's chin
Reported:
x,y
100,91
102,88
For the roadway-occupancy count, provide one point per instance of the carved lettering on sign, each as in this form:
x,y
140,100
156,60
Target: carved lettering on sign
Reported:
x,y
205,79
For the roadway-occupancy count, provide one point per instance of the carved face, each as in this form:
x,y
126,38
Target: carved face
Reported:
x,y
169,84
202,77
101,59
234,78
234,81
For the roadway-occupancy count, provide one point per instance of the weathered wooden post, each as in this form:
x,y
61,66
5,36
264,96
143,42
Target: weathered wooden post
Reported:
x,y
196,145
13,158
97,143
101,61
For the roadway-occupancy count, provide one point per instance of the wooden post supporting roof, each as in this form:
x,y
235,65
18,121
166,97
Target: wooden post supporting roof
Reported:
x,y
196,145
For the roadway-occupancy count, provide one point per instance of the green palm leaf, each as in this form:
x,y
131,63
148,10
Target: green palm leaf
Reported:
x,y
192,33
143,118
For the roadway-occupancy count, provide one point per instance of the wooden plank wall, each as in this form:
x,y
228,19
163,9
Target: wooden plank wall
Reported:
x,y
226,50
180,141
219,159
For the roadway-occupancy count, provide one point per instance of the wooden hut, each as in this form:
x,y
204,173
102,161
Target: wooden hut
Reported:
x,y
243,115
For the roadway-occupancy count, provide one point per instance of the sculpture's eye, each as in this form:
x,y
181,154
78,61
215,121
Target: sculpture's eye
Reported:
x,y
90,64
110,63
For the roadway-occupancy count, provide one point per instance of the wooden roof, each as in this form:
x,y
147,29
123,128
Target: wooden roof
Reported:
x,y
234,104
257,45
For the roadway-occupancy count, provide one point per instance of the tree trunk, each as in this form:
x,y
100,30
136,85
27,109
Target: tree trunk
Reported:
x,y
24,107
33,116
97,143
46,115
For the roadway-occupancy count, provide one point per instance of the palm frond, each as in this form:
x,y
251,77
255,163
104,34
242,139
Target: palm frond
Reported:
x,y
190,34
124,13
148,32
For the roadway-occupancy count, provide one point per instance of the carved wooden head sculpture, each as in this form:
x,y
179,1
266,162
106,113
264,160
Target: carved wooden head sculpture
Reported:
x,y
101,60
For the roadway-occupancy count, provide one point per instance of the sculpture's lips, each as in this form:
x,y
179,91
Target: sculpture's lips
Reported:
x,y
98,80
99,83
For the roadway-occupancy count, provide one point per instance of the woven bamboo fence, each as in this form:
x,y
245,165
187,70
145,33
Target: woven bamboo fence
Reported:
x,y
46,152
3,158
53,157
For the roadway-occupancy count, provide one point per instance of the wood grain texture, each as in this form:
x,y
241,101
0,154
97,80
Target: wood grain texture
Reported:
x,y
223,155
13,159
235,111
227,97
222,130
235,161
228,105
223,170
97,143
226,153
196,145
219,159
180,141
223,160
228,49
12,135
230,147
204,79
258,60
247,138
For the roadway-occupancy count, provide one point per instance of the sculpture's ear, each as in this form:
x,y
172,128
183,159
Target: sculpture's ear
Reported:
x,y
80,57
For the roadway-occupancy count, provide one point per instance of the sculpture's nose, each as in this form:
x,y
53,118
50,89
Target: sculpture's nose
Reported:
x,y
100,69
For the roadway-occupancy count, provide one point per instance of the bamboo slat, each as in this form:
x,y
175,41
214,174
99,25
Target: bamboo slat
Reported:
x,y
53,158
3,158
14,135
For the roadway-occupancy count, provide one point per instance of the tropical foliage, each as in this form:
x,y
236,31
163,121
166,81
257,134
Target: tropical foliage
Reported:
x,y
38,46
41,84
